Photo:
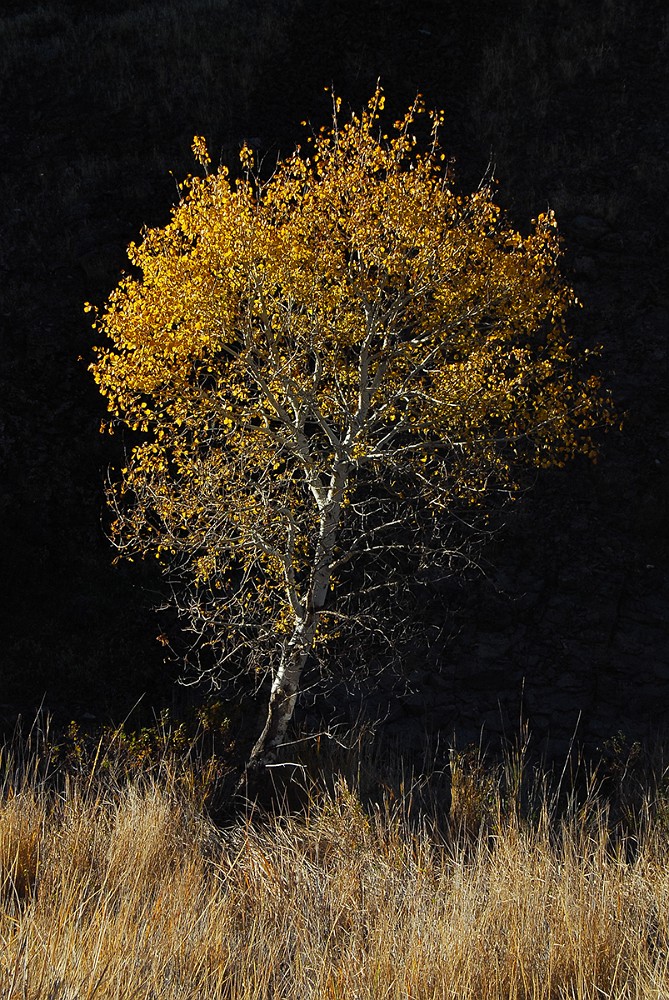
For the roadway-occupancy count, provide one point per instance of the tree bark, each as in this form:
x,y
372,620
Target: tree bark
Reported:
x,y
283,695
286,684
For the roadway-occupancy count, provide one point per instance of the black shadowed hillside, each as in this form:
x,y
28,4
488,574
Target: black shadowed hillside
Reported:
x,y
566,102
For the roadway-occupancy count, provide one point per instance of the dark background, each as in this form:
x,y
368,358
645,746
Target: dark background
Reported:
x,y
566,99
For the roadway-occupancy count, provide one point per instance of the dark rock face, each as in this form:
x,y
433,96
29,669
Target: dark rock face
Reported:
x,y
571,625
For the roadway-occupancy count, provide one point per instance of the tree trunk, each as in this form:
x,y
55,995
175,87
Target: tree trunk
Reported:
x,y
283,696
286,684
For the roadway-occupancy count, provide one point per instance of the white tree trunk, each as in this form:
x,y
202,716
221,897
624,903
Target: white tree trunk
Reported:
x,y
285,688
286,684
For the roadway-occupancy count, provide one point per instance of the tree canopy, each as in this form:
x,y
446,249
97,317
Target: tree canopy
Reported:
x,y
323,369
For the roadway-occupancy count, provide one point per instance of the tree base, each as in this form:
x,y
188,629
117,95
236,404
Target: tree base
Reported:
x,y
271,786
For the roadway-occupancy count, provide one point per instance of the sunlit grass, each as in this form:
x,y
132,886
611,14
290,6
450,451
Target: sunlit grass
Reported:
x,y
116,885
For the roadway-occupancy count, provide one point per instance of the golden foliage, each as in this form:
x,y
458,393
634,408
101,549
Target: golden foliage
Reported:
x,y
291,341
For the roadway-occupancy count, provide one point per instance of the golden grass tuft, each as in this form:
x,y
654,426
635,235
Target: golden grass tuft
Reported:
x,y
126,889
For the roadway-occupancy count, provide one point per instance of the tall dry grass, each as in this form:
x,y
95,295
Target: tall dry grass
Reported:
x,y
116,885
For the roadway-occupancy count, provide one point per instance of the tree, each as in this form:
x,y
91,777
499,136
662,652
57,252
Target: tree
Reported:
x,y
324,371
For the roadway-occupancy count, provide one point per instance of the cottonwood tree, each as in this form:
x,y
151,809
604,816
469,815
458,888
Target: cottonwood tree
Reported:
x,y
323,371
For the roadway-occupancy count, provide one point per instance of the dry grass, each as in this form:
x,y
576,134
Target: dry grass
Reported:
x,y
123,888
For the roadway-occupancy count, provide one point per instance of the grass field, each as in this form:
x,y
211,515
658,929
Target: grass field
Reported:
x,y
116,884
